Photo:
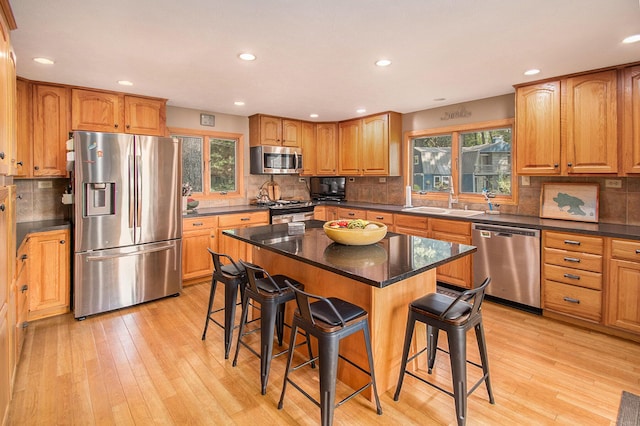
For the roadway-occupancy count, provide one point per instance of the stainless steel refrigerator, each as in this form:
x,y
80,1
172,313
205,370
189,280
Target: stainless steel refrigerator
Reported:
x,y
127,220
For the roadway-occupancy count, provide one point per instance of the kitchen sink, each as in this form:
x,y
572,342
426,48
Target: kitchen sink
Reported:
x,y
443,211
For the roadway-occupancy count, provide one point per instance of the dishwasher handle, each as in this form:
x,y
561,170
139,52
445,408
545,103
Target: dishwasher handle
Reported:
x,y
506,231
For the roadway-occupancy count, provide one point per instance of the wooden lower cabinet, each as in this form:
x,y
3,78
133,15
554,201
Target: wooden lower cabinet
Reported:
x,y
623,287
49,291
198,235
22,297
232,247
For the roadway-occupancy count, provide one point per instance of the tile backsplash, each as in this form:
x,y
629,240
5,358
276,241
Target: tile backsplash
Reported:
x,y
41,199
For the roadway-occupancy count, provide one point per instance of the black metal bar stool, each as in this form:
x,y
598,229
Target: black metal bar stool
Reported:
x,y
329,320
455,316
272,294
233,276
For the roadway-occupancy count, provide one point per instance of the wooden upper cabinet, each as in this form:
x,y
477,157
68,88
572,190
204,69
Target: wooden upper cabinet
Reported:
x,y
24,123
115,112
308,144
631,120
538,129
326,149
375,145
51,128
591,135
349,146
5,102
274,131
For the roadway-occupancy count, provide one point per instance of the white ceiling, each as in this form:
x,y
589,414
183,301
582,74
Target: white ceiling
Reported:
x,y
318,56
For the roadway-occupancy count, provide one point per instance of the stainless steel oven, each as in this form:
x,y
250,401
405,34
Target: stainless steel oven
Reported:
x,y
288,211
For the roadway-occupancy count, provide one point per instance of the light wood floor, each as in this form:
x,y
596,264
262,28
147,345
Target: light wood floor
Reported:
x,y
147,365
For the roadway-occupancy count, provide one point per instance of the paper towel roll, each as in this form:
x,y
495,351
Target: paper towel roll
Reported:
x,y
407,197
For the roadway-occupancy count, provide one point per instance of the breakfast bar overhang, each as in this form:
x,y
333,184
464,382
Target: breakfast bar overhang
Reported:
x,y
382,278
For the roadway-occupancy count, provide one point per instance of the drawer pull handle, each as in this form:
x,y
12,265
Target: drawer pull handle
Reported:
x,y
572,276
571,300
24,288
25,324
572,259
571,242
351,214
244,219
198,223
23,257
379,217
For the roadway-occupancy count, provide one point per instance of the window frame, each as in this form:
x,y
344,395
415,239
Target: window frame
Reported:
x,y
207,194
455,132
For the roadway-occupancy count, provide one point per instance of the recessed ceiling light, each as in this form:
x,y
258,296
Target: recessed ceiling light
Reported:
x,y
44,61
238,103
632,39
314,115
383,62
532,71
125,83
440,99
247,56
361,111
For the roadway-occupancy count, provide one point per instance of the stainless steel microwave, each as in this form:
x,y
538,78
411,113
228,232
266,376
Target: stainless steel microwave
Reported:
x,y
275,160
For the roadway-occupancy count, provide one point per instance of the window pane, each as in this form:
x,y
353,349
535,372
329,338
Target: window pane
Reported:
x,y
222,157
486,161
432,163
192,162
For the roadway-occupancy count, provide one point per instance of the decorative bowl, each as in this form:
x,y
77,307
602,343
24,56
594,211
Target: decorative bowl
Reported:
x,y
355,256
356,236
192,204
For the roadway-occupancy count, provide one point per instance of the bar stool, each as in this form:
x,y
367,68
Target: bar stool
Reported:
x,y
272,294
233,276
455,316
329,320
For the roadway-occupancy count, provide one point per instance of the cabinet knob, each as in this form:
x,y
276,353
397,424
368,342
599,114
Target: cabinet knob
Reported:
x,y
115,125
569,164
23,257
128,126
19,163
2,207
25,324
62,241
555,165
24,288
36,168
2,155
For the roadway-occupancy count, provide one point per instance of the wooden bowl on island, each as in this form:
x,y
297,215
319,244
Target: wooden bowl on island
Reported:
x,y
370,234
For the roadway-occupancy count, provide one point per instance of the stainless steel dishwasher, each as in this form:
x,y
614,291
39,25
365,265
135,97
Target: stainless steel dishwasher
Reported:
x,y
511,257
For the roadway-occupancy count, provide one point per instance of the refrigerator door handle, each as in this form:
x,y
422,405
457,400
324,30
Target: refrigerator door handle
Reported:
x,y
138,198
134,253
131,192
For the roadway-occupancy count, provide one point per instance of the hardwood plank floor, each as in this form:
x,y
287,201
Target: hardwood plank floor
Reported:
x,y
147,365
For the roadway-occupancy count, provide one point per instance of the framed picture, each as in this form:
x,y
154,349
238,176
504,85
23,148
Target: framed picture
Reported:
x,y
570,201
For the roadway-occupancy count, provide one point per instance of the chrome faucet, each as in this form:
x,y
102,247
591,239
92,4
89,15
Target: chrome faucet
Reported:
x,y
451,199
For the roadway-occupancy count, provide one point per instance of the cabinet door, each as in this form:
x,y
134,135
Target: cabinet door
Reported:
x,y
10,150
96,111
349,143
270,130
631,120
196,260
50,130
591,141
291,133
458,272
345,213
623,294
24,119
308,144
48,274
5,111
144,116
326,149
538,129
231,246
375,145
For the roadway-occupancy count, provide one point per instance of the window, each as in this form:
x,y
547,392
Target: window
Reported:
x,y
467,159
211,162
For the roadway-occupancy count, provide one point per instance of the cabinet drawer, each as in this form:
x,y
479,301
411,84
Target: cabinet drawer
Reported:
x,y
625,249
243,219
450,226
572,276
351,213
576,260
418,222
199,223
581,302
386,218
573,242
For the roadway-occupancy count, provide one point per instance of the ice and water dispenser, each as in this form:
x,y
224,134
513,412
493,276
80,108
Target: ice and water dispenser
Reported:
x,y
99,198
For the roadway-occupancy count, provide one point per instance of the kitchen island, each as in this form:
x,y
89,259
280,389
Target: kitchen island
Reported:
x,y
381,278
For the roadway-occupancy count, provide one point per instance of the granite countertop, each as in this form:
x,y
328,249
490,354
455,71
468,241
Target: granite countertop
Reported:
x,y
393,259
25,228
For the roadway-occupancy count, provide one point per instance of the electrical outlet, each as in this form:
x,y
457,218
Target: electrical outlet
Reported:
x,y
352,179
525,180
613,183
44,184
382,180
301,180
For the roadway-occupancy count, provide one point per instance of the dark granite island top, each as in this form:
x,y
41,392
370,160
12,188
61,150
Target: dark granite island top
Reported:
x,y
393,259
382,278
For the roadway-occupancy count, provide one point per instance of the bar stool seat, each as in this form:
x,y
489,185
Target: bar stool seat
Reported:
x,y
234,277
329,320
272,294
455,316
